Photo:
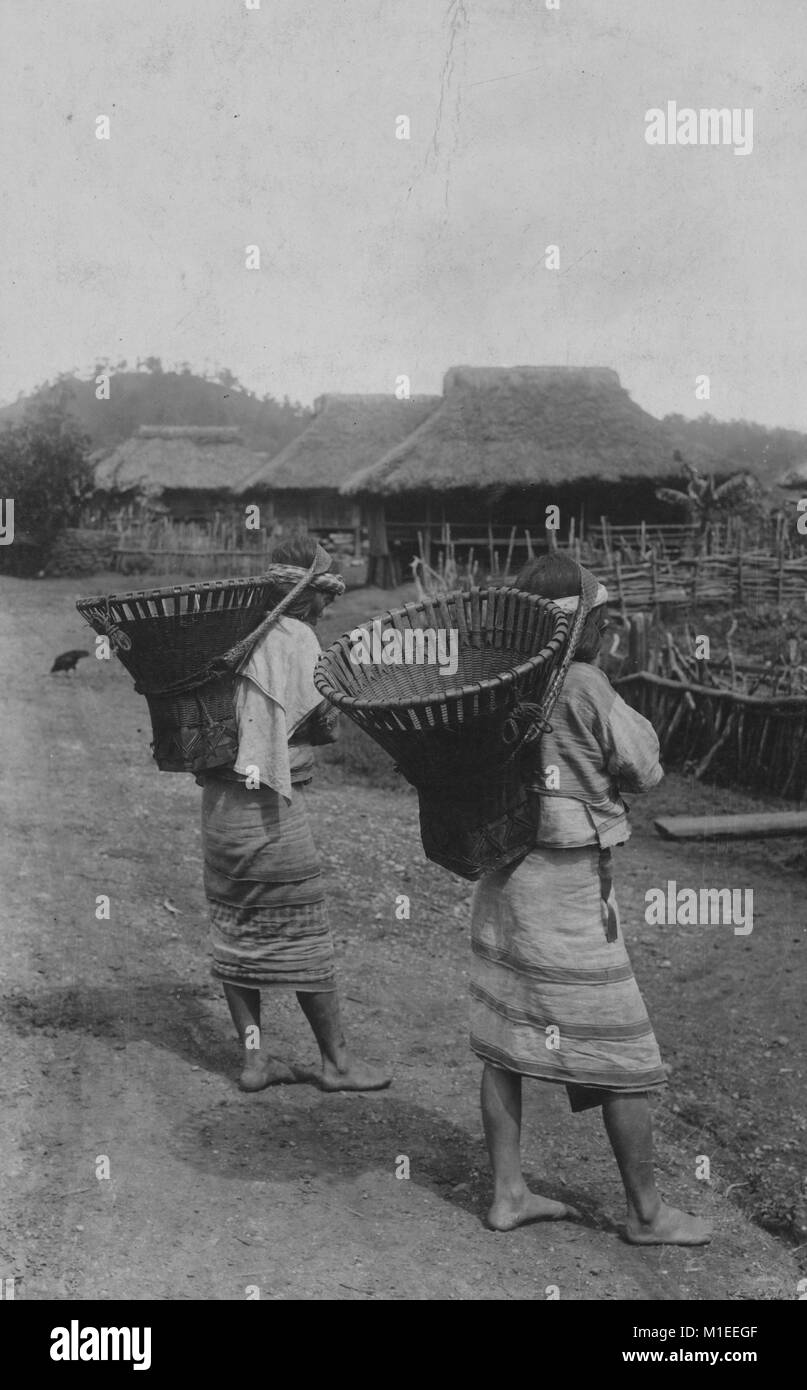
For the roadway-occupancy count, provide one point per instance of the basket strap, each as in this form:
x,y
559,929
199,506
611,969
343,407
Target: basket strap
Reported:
x,y
238,655
588,593
523,726
528,722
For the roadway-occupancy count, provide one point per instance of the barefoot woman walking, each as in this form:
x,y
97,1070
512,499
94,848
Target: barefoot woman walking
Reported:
x,y
553,994
268,921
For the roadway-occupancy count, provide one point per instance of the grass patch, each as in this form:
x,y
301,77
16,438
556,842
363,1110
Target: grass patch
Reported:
x,y
359,756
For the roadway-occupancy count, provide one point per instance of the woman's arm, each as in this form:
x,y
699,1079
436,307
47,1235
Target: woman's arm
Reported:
x,y
631,748
321,726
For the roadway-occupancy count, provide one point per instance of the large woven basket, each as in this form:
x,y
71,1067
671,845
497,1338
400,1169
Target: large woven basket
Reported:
x,y
459,739
182,645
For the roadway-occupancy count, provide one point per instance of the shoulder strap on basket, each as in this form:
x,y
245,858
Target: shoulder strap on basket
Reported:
x,y
236,657
527,721
588,593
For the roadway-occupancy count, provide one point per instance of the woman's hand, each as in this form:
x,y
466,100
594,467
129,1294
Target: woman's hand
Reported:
x,y
321,726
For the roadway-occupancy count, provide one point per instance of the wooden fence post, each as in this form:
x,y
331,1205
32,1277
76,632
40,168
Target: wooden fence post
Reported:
x,y
619,588
426,550
605,542
638,644
509,559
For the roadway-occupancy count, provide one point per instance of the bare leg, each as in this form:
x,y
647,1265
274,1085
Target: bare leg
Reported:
x,y
260,1068
339,1071
513,1203
650,1221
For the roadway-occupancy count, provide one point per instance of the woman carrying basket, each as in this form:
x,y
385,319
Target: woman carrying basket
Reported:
x,y
552,993
268,920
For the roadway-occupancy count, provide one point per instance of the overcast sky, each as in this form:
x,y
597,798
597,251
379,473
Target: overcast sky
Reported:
x,y
381,257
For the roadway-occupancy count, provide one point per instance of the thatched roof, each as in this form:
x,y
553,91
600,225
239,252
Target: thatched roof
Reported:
x,y
347,433
162,458
522,426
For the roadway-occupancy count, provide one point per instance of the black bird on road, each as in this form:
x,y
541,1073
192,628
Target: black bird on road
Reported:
x,y
67,661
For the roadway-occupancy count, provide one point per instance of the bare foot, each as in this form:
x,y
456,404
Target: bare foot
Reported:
x,y
668,1227
355,1076
260,1072
509,1212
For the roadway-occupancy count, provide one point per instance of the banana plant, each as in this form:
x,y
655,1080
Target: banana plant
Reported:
x,y
704,499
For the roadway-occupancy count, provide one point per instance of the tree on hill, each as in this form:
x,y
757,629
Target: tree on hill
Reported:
x,y
44,467
154,395
740,444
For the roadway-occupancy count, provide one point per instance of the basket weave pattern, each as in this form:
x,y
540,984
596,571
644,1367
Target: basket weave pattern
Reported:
x,y
178,643
458,739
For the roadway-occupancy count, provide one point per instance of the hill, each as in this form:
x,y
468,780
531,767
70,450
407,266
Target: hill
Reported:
x,y
740,444
152,396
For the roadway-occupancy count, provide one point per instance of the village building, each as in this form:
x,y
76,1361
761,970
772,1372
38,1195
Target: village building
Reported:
x,y
188,473
301,485
503,445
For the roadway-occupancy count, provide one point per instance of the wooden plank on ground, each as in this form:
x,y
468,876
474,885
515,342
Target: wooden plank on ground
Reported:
x,y
740,827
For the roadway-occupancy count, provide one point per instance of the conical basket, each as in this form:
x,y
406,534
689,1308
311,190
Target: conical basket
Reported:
x,y
458,739
182,645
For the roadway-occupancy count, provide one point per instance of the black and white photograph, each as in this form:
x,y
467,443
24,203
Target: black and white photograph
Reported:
x,y
403,625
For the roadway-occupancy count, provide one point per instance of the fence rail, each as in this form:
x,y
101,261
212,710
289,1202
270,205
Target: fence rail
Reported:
x,y
754,741
747,579
193,564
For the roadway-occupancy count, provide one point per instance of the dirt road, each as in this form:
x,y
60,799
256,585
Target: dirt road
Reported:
x,y
118,1055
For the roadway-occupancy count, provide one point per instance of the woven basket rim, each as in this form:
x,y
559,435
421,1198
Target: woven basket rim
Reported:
x,y
200,586
455,692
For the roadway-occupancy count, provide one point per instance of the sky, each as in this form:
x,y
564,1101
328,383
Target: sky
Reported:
x,y
382,257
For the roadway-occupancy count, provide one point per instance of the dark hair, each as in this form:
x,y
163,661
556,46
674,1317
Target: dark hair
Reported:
x,y
552,576
557,576
296,550
588,647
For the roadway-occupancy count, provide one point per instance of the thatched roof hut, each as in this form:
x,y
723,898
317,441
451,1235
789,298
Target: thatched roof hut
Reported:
x,y
520,427
347,433
503,444
190,469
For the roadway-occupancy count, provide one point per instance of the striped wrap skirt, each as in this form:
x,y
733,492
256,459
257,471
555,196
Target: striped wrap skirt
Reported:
x,y
553,994
268,920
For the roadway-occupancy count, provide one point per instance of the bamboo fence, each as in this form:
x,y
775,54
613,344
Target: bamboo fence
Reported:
x,y
192,564
741,578
747,579
755,741
644,567
740,721
198,550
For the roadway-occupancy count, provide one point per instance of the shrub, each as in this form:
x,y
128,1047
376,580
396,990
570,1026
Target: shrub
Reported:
x,y
44,467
